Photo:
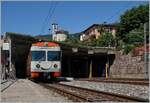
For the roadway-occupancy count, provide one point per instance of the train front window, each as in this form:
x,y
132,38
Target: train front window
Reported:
x,y
38,56
53,55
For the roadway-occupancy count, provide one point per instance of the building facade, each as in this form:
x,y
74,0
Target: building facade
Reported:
x,y
61,35
96,30
58,34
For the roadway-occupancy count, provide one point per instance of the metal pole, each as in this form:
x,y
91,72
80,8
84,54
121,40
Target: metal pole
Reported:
x,y
145,51
10,69
90,52
107,63
106,67
106,72
90,72
69,66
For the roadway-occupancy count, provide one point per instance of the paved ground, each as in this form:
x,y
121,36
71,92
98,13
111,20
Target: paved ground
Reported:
x,y
6,83
24,90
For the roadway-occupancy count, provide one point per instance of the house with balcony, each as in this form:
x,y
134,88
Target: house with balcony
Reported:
x,y
96,30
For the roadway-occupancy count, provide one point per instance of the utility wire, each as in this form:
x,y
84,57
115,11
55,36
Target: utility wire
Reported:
x,y
118,12
52,13
44,22
47,17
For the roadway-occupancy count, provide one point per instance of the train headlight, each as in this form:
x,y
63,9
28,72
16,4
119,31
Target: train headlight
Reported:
x,y
38,65
55,65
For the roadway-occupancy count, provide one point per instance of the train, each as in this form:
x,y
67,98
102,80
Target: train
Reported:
x,y
44,61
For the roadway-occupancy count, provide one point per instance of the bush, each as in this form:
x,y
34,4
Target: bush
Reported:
x,y
128,48
134,38
120,44
106,39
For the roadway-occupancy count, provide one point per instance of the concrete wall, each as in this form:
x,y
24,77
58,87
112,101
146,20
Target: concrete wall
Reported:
x,y
126,66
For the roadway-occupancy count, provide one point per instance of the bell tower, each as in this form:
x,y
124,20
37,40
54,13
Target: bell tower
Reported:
x,y
54,30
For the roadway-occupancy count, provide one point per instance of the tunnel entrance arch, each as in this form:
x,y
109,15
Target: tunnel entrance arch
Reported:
x,y
20,46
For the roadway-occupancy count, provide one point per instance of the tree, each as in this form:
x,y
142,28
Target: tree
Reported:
x,y
134,38
132,19
106,39
128,48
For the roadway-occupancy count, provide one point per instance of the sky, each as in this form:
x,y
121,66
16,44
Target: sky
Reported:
x,y
35,17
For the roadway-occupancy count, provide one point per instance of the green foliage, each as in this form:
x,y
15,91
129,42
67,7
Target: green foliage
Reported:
x,y
44,37
134,39
119,44
128,48
93,42
101,29
106,39
130,30
75,35
132,19
72,41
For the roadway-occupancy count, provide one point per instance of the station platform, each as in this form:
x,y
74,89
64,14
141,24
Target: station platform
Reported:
x,y
24,90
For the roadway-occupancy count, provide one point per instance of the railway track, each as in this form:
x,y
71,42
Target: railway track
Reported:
x,y
123,81
79,94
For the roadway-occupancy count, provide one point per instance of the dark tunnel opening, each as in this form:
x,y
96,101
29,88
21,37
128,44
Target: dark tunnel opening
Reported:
x,y
98,66
21,62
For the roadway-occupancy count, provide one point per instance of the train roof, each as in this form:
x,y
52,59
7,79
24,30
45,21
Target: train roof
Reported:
x,y
45,44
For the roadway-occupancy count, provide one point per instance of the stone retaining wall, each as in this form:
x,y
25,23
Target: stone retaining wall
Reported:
x,y
126,66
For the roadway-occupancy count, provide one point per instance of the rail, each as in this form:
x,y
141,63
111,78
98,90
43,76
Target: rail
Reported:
x,y
88,95
122,81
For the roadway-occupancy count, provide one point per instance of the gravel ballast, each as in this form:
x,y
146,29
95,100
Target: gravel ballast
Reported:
x,y
118,88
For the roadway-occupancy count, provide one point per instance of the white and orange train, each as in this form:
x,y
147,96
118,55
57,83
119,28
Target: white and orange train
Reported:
x,y
44,60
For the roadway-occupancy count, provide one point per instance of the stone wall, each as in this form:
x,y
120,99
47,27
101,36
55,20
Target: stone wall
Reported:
x,y
127,66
